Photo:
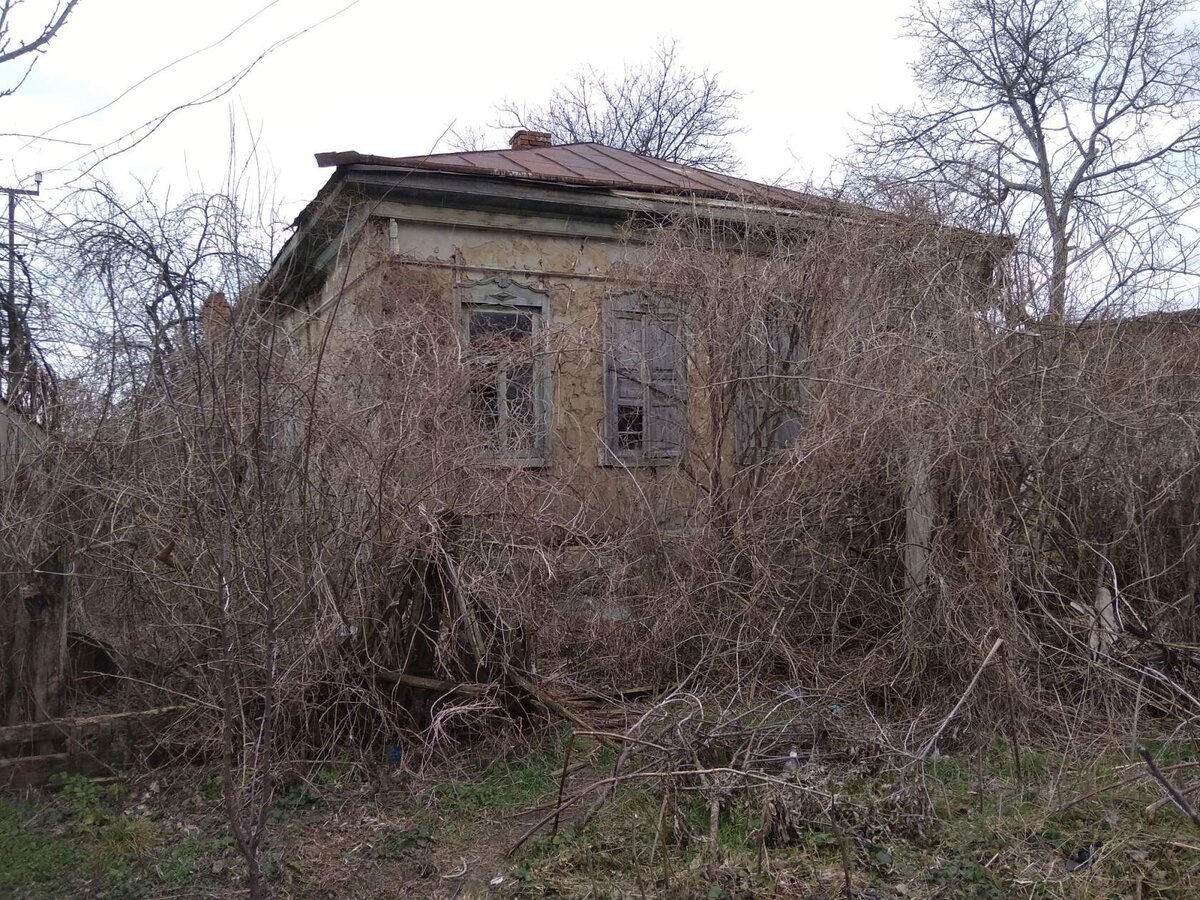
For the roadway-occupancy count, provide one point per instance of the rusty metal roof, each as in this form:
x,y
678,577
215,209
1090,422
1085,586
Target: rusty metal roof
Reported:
x,y
585,165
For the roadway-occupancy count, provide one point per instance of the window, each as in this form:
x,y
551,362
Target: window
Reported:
x,y
645,382
503,334
770,393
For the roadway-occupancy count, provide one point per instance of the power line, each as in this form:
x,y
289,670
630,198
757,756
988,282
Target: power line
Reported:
x,y
40,137
216,93
149,127
121,96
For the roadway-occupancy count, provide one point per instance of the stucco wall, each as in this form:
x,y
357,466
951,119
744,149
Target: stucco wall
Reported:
x,y
576,264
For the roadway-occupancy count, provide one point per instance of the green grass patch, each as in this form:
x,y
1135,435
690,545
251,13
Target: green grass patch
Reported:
x,y
399,843
81,843
970,825
963,876
32,858
513,781
188,860
992,825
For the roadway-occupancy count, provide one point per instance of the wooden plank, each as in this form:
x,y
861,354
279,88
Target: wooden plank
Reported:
x,y
33,731
26,772
93,744
85,726
432,684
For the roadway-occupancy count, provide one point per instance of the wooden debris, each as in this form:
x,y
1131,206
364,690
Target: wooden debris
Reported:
x,y
86,745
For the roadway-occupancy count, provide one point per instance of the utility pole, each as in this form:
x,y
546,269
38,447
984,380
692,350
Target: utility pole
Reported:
x,y
15,327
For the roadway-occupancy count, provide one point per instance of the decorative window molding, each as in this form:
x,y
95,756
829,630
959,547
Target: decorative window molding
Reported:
x,y
502,327
645,382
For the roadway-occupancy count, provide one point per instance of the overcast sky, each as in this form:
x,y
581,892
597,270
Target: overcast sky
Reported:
x,y
391,78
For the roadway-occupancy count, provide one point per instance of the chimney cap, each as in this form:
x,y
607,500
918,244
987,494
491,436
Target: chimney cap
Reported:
x,y
524,139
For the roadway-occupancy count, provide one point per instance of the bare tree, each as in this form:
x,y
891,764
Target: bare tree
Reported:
x,y
1074,124
26,378
140,287
13,47
662,109
470,138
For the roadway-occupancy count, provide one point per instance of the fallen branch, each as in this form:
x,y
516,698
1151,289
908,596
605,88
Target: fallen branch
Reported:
x,y
1172,791
1118,784
615,736
932,742
1150,811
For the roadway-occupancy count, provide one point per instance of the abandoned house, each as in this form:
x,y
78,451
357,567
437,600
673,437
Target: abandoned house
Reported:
x,y
578,366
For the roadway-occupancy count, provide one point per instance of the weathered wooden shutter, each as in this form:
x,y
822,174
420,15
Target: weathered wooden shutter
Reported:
x,y
645,383
666,385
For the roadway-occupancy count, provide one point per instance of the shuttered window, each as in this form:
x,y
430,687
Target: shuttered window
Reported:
x,y
770,391
645,381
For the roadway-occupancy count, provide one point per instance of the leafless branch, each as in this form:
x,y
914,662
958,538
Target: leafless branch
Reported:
x,y
662,109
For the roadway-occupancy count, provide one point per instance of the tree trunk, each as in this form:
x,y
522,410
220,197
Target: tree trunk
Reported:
x,y
1058,275
35,611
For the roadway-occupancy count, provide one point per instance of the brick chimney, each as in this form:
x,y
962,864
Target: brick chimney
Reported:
x,y
215,314
528,140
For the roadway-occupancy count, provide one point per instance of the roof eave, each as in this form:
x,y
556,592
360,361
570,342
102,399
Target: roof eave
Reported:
x,y
761,199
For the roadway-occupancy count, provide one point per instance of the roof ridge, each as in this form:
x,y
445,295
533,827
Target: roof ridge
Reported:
x,y
678,168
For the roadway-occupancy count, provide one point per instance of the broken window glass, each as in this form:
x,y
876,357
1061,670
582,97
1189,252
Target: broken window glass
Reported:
x,y
645,385
507,384
630,427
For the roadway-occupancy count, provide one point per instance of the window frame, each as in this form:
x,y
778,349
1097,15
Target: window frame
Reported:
x,y
780,360
507,295
641,304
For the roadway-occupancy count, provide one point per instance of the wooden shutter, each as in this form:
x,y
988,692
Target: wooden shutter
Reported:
x,y
665,383
645,383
